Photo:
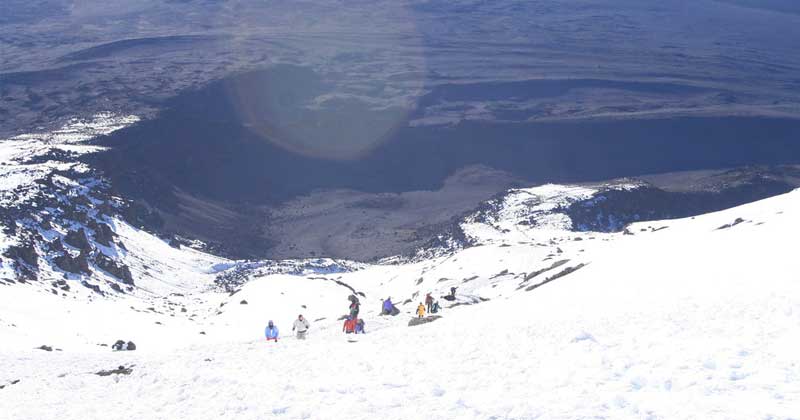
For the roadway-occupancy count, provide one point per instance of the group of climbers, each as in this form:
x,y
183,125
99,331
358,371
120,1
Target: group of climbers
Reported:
x,y
431,305
300,327
355,325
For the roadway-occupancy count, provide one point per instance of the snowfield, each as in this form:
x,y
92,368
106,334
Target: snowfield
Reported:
x,y
685,319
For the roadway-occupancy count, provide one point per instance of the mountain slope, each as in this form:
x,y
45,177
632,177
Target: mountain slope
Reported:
x,y
688,318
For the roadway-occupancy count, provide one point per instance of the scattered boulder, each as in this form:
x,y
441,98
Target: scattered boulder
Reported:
x,y
395,311
121,370
75,265
14,382
95,288
25,252
121,345
77,239
730,225
103,234
420,321
552,266
56,246
46,224
564,272
118,270
243,302
70,264
45,348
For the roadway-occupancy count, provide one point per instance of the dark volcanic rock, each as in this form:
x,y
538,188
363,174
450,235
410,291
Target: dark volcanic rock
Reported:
x,y
612,210
552,266
120,345
77,239
118,270
103,234
730,225
420,321
121,370
75,265
25,252
56,246
562,273
95,288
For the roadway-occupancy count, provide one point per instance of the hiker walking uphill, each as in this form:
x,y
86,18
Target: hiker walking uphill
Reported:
x,y
354,306
429,302
271,332
301,326
421,310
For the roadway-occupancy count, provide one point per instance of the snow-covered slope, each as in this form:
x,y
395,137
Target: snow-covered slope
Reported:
x,y
680,319
63,227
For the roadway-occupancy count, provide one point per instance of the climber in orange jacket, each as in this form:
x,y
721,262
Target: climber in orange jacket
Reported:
x,y
421,310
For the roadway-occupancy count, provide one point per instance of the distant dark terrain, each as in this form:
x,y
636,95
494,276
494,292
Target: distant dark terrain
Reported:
x,y
363,129
289,203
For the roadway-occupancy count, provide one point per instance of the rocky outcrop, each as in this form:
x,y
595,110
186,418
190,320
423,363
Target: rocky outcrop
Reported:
x,y
24,252
611,210
118,270
103,234
75,265
78,239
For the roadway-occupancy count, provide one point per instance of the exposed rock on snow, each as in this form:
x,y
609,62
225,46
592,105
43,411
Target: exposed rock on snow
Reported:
x,y
419,321
730,225
122,345
566,271
121,370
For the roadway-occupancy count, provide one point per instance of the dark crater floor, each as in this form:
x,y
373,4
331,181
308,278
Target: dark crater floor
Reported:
x,y
224,176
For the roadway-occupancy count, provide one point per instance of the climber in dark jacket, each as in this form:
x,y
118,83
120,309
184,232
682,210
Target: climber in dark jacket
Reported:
x,y
435,308
354,306
429,302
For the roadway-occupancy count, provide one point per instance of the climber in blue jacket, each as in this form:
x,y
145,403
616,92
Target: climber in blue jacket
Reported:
x,y
388,307
271,332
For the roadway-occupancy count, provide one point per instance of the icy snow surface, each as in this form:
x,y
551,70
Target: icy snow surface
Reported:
x,y
681,320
